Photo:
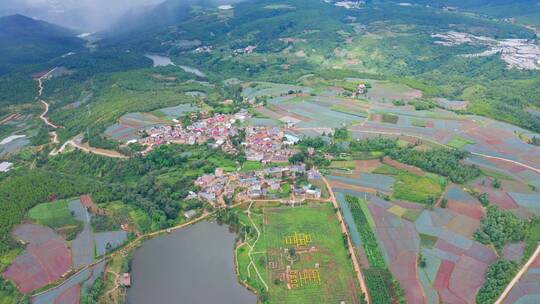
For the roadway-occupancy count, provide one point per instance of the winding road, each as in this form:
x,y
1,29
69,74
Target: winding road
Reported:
x,y
41,86
76,142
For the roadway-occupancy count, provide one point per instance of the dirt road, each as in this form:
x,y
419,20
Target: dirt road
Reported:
x,y
345,231
518,276
76,142
43,116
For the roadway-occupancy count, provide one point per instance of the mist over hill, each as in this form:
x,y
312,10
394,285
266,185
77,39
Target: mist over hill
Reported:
x,y
83,15
25,40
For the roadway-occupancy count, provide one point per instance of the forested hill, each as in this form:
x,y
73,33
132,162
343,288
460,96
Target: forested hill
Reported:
x,y
524,11
25,41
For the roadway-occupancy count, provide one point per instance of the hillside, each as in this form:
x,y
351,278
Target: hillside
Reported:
x,y
523,11
27,41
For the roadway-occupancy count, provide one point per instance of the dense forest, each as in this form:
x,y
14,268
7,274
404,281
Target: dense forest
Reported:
x,y
158,184
23,190
444,162
497,278
500,227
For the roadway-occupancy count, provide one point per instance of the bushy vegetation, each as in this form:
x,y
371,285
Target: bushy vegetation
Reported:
x,y
9,293
369,240
500,227
422,189
533,238
157,183
444,162
381,283
94,293
498,276
24,190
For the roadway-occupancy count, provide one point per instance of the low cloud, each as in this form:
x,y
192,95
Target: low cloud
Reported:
x,y
85,15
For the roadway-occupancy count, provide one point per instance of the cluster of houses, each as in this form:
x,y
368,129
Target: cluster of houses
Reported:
x,y
247,50
218,129
220,187
203,49
269,144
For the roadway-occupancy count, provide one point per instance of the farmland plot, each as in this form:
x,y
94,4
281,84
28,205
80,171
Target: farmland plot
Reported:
x,y
301,256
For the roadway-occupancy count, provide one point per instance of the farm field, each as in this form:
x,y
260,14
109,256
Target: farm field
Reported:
x,y
130,124
56,215
301,256
46,258
381,283
403,231
176,112
386,91
260,89
417,188
459,142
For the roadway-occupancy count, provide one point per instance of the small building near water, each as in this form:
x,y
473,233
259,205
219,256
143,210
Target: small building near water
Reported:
x,y
124,280
190,214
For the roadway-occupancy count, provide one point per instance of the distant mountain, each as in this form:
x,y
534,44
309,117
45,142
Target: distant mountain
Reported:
x,y
523,11
26,41
166,13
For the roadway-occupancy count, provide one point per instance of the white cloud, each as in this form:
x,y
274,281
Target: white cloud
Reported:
x,y
83,14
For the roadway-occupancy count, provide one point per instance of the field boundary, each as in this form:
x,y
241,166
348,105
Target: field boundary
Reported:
x,y
518,276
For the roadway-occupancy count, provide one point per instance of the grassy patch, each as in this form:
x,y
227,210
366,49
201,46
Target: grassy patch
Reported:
x,y
532,239
252,166
497,175
390,118
427,240
270,256
355,111
419,123
131,214
343,164
55,214
416,188
459,142
412,215
385,169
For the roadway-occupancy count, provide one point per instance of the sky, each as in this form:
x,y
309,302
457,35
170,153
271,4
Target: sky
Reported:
x,y
82,15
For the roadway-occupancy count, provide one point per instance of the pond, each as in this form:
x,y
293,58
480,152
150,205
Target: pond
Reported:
x,y
190,266
159,60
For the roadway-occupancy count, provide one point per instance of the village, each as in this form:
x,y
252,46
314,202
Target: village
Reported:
x,y
267,145
222,189
218,129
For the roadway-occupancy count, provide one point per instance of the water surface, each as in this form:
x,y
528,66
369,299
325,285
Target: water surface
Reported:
x,y
190,266
159,60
